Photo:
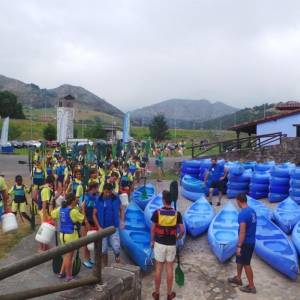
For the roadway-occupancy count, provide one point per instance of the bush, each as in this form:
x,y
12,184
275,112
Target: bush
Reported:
x,y
50,132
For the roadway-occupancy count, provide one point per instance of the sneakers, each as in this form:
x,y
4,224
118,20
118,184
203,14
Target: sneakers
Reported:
x,y
235,280
69,278
91,261
88,264
60,276
247,289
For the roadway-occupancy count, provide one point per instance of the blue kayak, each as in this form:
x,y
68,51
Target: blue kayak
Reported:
x,y
192,184
223,232
260,208
274,247
193,196
296,237
143,194
198,217
135,237
287,215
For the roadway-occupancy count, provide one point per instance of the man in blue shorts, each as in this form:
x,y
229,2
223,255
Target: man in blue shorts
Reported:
x,y
246,244
214,179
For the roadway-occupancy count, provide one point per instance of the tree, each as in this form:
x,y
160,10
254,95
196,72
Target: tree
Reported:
x,y
10,107
95,132
14,132
159,129
49,132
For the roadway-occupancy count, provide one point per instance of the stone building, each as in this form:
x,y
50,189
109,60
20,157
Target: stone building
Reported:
x,y
65,118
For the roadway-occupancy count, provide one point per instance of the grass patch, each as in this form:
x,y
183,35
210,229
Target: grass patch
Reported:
x,y
168,175
9,240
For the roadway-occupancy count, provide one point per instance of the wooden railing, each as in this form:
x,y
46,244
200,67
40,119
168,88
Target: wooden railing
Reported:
x,y
248,143
40,258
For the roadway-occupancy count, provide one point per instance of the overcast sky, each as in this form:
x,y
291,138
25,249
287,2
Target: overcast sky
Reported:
x,y
137,52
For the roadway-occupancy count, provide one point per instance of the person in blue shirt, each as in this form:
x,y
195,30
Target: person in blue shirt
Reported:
x,y
246,244
214,178
107,212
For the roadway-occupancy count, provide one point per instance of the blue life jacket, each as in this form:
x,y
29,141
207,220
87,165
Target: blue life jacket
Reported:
x,y
66,223
56,153
60,170
90,201
19,194
75,185
124,180
108,209
38,177
49,170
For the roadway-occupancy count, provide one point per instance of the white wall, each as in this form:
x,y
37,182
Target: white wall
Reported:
x,y
284,125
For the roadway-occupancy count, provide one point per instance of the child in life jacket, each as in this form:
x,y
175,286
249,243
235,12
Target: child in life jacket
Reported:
x,y
88,204
45,204
75,187
68,216
18,195
38,179
60,173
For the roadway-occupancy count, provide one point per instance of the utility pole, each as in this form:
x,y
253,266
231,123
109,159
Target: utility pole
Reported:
x,y
31,118
82,130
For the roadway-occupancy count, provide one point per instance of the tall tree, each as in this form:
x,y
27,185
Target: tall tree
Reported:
x,y
49,132
10,107
159,129
95,132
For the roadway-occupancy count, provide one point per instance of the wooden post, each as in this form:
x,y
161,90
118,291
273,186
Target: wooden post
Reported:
x,y
98,260
192,148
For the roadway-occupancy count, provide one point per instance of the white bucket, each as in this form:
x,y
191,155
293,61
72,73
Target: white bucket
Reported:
x,y
124,199
9,222
45,234
91,245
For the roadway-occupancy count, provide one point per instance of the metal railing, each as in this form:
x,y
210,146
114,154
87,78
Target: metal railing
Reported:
x,y
247,143
40,258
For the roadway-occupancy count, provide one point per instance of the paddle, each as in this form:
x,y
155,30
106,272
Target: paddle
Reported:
x,y
179,275
76,264
57,260
174,192
144,194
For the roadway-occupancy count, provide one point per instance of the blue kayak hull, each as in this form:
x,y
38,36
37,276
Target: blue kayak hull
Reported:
x,y
192,196
198,217
296,237
143,194
192,184
135,237
260,208
273,246
223,233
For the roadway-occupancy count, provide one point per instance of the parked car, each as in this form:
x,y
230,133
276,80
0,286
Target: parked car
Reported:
x,y
52,144
32,143
17,144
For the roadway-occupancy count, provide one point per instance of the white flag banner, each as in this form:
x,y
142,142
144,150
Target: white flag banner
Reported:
x,y
4,132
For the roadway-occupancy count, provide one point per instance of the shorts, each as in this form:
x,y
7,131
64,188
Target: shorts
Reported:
x,y
61,178
21,207
246,255
112,240
66,238
216,185
164,253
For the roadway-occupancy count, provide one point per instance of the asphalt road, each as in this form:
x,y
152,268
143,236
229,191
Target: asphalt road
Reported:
x,y
10,167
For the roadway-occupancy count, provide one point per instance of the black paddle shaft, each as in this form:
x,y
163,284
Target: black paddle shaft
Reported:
x,y
174,192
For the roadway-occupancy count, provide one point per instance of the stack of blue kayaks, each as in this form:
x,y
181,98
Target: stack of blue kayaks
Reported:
x,y
295,185
192,188
135,237
143,194
223,232
190,167
198,217
274,247
259,184
279,183
287,215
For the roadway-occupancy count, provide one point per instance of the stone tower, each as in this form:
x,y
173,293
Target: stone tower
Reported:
x,y
65,118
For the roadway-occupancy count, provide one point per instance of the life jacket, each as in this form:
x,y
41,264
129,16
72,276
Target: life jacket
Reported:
x,y
109,208
90,201
66,224
60,170
38,177
40,202
56,153
19,194
74,186
167,222
125,180
49,170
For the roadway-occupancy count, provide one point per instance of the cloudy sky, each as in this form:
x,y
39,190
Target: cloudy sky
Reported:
x,y
137,52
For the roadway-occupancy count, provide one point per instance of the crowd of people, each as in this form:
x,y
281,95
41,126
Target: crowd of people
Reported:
x,y
76,201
